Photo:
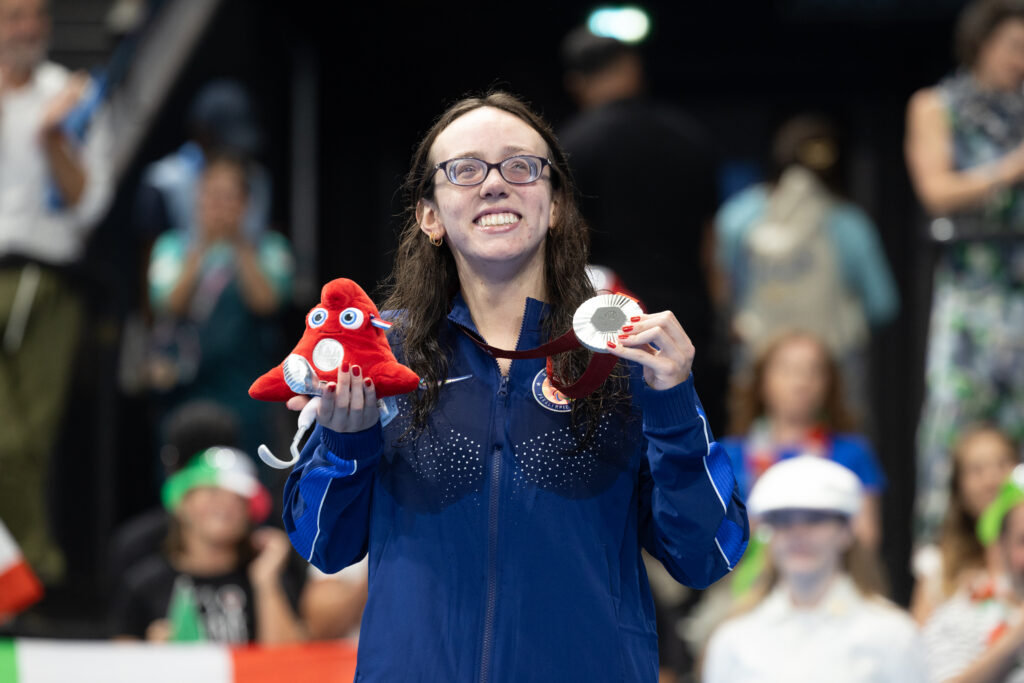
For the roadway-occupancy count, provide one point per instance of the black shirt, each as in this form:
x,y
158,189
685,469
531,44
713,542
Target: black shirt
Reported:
x,y
225,602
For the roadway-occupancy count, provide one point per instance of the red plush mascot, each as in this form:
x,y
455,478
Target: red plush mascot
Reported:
x,y
344,327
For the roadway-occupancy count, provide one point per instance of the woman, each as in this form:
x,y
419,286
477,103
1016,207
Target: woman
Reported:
x,y
217,289
983,458
504,526
793,405
965,154
821,618
217,578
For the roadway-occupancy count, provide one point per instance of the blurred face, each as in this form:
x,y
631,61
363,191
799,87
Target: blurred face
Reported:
x,y
808,544
24,32
985,463
795,380
215,515
1001,58
222,202
1012,542
494,225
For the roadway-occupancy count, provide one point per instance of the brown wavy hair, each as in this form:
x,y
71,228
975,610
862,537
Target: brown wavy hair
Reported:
x,y
747,399
976,24
424,279
959,546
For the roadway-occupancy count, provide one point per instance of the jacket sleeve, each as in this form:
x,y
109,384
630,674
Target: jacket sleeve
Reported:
x,y
692,517
327,497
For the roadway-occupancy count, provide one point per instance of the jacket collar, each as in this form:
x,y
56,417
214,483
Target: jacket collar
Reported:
x,y
530,334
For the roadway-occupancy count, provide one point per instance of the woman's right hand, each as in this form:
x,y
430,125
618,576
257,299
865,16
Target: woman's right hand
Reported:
x,y
159,631
348,405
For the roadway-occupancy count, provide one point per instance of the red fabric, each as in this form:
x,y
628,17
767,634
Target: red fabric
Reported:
x,y
324,662
366,346
19,588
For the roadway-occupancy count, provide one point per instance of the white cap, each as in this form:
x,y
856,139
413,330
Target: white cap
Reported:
x,y
806,482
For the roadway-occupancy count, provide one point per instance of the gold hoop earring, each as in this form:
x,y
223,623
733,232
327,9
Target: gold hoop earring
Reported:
x,y
436,241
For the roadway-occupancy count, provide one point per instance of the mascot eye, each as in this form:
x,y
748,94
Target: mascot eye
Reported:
x,y
317,317
351,318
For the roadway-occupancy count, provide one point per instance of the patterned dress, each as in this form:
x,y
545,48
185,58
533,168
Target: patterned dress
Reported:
x,y
975,362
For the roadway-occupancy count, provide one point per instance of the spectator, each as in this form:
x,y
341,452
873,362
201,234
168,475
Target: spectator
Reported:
x,y
983,457
978,634
965,153
221,118
53,190
821,619
792,405
796,255
219,288
233,576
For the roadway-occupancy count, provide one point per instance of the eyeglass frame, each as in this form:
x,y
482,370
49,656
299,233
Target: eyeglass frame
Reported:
x,y
443,166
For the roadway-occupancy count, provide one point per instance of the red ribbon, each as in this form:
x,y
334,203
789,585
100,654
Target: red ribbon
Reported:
x,y
598,369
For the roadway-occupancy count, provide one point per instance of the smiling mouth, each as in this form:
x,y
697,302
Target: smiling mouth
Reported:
x,y
489,220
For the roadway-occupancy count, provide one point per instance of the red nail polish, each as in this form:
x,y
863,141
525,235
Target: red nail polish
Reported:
x,y
623,336
355,370
611,345
331,386
635,319
344,367
627,328
368,382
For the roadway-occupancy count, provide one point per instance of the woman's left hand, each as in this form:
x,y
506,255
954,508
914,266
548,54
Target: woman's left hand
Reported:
x,y
272,550
658,343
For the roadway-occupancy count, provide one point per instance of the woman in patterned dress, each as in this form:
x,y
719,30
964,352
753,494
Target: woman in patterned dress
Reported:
x,y
965,154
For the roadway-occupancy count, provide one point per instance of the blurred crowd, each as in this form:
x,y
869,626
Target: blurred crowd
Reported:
x,y
780,284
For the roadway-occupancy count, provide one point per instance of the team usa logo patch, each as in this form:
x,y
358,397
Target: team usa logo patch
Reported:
x,y
549,397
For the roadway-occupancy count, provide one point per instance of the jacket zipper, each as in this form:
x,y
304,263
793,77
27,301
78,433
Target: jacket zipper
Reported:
x,y
492,551
492,525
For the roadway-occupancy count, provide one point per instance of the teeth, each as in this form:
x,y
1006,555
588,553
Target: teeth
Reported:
x,y
497,219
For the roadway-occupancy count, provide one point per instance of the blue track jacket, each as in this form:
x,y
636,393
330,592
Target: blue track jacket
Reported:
x,y
497,551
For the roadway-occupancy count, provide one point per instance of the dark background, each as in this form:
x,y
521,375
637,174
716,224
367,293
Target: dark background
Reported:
x,y
386,70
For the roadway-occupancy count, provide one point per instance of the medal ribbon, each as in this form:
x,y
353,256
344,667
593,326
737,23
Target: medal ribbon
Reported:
x,y
598,369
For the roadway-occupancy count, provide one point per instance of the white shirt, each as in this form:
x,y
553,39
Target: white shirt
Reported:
x,y
846,637
28,226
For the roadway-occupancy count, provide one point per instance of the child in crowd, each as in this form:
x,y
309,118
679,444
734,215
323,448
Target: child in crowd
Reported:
x,y
820,617
229,577
983,457
792,405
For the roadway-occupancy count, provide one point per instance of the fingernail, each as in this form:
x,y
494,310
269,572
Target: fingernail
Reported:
x,y
368,382
623,336
627,328
635,319
355,370
331,386
611,345
344,367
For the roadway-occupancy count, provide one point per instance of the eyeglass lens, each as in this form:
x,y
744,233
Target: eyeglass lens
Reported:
x,y
469,171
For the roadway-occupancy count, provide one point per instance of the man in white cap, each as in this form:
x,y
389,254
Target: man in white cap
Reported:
x,y
818,620
977,636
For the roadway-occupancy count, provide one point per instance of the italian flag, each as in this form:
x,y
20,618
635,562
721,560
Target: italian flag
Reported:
x,y
19,586
45,661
